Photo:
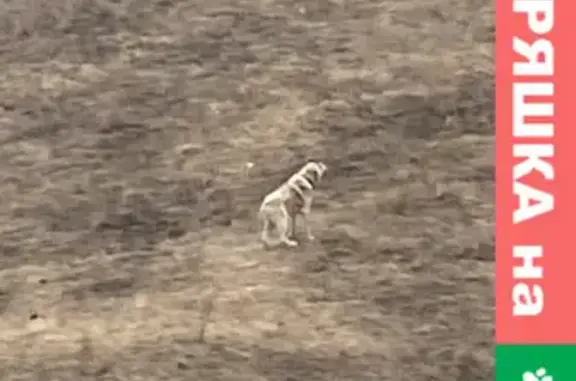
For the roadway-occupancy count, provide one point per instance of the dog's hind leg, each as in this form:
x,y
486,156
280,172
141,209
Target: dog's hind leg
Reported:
x,y
265,235
284,227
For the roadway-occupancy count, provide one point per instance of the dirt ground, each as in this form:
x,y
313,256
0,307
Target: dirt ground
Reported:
x,y
128,228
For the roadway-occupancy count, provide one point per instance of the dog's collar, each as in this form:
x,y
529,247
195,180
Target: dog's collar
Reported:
x,y
311,176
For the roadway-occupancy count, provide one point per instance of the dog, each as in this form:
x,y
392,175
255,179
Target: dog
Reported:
x,y
293,198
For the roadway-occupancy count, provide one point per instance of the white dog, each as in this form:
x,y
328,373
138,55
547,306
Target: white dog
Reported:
x,y
294,197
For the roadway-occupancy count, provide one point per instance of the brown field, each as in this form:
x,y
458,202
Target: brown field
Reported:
x,y
128,229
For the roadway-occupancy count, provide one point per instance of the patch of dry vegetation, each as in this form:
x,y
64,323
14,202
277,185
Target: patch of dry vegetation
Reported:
x,y
127,227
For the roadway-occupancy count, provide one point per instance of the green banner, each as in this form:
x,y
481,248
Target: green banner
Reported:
x,y
535,362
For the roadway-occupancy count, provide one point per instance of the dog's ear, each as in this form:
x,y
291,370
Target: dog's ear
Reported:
x,y
313,161
316,162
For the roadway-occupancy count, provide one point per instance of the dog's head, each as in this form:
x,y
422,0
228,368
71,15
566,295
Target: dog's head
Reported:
x,y
316,169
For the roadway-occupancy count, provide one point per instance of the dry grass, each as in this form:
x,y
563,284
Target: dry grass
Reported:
x,y
127,227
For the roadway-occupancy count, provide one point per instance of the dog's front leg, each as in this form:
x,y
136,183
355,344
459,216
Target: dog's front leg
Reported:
x,y
305,212
292,226
306,223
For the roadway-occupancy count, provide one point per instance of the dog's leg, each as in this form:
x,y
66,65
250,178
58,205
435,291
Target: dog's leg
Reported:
x,y
283,225
292,226
306,223
305,213
265,235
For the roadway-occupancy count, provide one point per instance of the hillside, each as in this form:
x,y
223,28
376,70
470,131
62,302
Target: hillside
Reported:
x,y
128,230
